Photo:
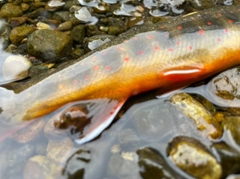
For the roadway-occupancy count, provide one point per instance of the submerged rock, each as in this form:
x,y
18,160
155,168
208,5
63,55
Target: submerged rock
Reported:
x,y
203,119
153,165
232,123
41,167
193,158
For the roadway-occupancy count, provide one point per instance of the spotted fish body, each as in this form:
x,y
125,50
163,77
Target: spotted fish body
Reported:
x,y
166,55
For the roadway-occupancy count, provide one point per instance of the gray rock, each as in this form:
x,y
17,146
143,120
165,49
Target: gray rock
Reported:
x,y
49,45
78,33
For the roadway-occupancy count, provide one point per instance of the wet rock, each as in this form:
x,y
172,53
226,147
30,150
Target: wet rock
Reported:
x,y
93,30
156,120
14,68
10,10
203,119
41,25
62,16
77,164
41,167
77,52
163,8
65,26
78,33
53,5
25,7
232,123
230,158
68,4
123,165
129,10
19,33
85,16
206,103
128,137
17,21
39,12
59,150
38,69
193,158
153,165
49,45
4,34
114,26
93,42
234,111
225,88
101,9
36,5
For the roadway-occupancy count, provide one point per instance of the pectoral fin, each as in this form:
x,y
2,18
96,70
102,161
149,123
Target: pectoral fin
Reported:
x,y
85,120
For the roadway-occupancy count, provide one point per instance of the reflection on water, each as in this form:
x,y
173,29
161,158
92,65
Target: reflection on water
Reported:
x,y
151,138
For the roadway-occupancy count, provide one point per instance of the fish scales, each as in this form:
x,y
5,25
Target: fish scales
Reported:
x,y
166,55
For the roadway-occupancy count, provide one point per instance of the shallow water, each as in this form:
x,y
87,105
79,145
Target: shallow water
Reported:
x,y
145,124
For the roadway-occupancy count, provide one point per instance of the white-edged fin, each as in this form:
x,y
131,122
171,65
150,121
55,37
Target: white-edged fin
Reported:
x,y
86,119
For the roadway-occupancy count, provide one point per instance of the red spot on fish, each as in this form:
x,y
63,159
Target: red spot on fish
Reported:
x,y
219,40
219,15
166,35
209,23
119,48
170,49
94,58
140,52
104,53
226,30
162,27
135,38
156,48
108,68
87,77
125,41
126,59
150,37
179,27
178,43
200,32
75,82
190,47
96,67
230,21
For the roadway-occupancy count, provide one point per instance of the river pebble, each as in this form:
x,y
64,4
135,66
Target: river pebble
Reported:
x,y
49,45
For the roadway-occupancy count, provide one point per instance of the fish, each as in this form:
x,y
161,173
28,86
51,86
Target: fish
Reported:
x,y
167,55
